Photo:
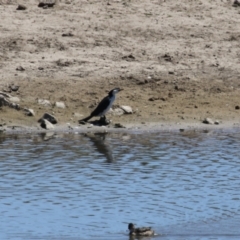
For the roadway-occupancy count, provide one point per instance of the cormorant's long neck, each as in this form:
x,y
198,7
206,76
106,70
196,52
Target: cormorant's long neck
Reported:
x,y
111,94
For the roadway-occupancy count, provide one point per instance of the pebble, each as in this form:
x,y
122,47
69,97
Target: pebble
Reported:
x,y
236,3
116,111
21,7
118,125
127,109
14,99
44,102
208,121
20,68
14,88
46,124
46,3
49,117
29,112
60,104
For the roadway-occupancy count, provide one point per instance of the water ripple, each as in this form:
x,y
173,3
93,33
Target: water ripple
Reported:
x,y
90,186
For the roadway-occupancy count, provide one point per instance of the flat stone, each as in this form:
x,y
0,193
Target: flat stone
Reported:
x,y
60,104
15,106
20,68
5,94
47,3
116,112
3,101
14,88
46,124
236,3
14,99
208,121
21,7
127,109
77,115
118,125
44,102
49,117
29,112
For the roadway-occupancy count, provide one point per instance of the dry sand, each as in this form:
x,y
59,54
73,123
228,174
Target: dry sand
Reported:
x,y
177,61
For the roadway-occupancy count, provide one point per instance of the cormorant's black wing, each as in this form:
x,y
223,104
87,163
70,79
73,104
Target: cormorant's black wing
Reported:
x,y
101,106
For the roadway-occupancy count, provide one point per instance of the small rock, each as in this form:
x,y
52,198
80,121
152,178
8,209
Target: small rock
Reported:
x,y
3,101
236,3
41,68
49,117
67,34
14,88
20,68
44,102
21,7
217,122
77,115
14,99
46,124
152,99
29,112
129,57
118,125
60,104
127,109
5,94
82,122
237,107
208,121
15,106
46,3
116,112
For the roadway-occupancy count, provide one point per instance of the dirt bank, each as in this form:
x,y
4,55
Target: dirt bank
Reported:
x,y
177,61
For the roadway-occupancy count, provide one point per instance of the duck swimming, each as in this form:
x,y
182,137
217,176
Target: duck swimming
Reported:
x,y
140,232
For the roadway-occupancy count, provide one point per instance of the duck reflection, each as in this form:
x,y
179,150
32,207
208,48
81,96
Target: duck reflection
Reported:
x,y
98,140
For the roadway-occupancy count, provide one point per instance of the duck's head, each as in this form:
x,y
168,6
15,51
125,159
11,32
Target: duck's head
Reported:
x,y
131,227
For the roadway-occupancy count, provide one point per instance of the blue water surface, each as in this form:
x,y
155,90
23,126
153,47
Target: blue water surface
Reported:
x,y
90,186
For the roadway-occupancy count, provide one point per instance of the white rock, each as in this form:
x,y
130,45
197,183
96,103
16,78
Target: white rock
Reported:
x,y
208,121
77,115
44,102
14,99
49,117
127,109
46,124
60,104
116,112
29,112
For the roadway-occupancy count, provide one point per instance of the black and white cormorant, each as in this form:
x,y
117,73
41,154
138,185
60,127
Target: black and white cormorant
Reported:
x,y
103,106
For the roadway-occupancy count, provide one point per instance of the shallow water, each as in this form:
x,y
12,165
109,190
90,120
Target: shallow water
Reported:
x,y
75,186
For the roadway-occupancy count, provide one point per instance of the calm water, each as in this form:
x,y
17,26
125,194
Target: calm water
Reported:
x,y
75,186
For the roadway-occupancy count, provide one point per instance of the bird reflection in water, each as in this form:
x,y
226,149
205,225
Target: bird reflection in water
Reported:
x,y
98,140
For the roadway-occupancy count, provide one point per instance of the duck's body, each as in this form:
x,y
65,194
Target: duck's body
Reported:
x,y
103,106
143,231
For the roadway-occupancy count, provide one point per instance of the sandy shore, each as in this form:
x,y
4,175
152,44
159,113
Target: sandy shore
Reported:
x,y
178,62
